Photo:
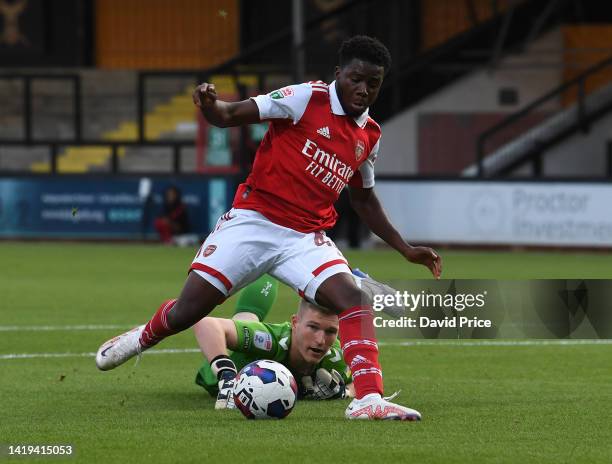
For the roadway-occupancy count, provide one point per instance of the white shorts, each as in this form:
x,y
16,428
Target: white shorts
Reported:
x,y
245,244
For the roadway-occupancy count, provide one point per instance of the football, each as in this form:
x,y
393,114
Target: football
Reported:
x,y
265,390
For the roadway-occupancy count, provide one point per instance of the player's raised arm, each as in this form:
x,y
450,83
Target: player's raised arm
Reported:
x,y
224,114
366,204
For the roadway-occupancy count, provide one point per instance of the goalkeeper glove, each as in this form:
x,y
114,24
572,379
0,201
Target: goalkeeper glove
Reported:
x,y
324,385
225,370
225,397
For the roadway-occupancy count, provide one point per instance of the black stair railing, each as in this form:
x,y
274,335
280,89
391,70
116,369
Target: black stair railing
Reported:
x,y
520,116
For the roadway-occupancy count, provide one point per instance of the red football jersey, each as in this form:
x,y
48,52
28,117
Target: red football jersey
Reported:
x,y
311,151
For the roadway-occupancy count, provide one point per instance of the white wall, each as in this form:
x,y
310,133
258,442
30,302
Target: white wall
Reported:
x,y
532,74
500,213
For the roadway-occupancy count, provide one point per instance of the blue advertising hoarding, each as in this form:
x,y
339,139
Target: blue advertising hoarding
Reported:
x,y
104,207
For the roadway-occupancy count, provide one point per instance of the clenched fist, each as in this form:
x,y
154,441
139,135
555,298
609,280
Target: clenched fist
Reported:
x,y
204,95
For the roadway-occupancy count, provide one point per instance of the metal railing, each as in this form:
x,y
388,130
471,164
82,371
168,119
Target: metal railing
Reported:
x,y
581,122
76,118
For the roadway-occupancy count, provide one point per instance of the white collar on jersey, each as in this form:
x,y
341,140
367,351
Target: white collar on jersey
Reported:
x,y
336,107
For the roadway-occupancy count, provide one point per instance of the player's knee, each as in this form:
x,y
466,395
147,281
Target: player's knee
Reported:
x,y
339,294
197,300
353,297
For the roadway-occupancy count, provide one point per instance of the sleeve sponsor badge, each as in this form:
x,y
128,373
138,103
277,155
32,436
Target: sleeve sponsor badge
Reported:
x,y
281,93
262,340
247,338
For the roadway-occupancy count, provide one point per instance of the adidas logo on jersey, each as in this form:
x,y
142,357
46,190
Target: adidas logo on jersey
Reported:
x,y
324,131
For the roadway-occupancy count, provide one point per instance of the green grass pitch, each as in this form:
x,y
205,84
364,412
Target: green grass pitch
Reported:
x,y
481,404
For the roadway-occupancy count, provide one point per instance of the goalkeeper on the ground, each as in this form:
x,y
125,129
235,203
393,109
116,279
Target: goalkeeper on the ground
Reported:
x,y
307,345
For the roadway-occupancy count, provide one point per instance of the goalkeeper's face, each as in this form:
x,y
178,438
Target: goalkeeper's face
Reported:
x,y
313,332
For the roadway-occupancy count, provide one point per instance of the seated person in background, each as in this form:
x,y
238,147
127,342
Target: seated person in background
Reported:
x,y
174,220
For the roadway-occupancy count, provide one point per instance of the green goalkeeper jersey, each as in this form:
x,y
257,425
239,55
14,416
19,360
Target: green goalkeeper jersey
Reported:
x,y
260,340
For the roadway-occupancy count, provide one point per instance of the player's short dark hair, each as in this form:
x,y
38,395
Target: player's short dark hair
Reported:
x,y
306,305
366,49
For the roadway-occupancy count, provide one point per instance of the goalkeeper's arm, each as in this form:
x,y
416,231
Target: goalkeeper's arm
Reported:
x,y
215,335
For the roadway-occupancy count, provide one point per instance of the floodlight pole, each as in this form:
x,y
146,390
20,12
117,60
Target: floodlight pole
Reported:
x,y
299,57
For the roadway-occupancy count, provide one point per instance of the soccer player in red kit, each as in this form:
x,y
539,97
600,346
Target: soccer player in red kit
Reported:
x,y
320,139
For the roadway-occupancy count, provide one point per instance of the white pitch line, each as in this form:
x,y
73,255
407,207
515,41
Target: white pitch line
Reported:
x,y
442,342
466,342
457,343
89,355
62,328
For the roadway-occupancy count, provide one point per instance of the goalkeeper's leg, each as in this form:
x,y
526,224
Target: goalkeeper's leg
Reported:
x,y
256,300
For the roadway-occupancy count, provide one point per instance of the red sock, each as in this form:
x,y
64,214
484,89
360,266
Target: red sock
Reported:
x,y
157,328
358,341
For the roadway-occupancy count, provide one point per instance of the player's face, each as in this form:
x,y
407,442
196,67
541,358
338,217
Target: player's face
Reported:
x,y
313,334
358,85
